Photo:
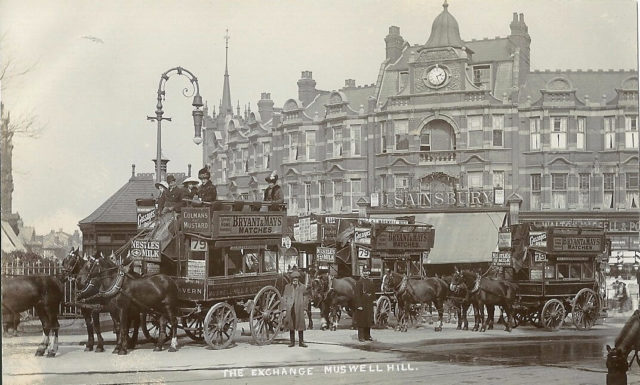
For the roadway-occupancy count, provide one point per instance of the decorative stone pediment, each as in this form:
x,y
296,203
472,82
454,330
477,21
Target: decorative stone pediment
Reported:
x,y
560,160
559,84
630,83
399,162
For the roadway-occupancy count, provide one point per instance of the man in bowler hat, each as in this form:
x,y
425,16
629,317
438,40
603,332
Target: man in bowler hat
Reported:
x,y
293,302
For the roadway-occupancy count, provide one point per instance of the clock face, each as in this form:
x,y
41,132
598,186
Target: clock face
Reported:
x,y
436,76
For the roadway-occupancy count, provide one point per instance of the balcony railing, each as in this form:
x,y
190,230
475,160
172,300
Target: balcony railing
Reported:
x,y
438,157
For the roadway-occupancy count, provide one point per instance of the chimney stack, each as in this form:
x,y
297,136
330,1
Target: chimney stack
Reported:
x,y
306,88
394,43
350,83
265,107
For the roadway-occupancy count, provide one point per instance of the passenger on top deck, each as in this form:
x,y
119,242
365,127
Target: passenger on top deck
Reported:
x,y
191,186
273,193
172,197
207,191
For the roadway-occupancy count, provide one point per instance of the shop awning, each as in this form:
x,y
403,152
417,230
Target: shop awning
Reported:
x,y
462,237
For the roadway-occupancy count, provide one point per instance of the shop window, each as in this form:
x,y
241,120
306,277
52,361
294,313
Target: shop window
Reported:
x,y
302,146
534,133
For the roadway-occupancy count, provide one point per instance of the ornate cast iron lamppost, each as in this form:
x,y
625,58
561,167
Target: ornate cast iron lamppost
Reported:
x,y
197,112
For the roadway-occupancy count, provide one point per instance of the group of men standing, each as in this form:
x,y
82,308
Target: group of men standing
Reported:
x,y
294,303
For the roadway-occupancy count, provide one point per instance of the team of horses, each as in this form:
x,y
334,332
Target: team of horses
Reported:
x,y
463,289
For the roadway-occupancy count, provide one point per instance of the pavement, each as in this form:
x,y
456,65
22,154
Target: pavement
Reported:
x,y
78,326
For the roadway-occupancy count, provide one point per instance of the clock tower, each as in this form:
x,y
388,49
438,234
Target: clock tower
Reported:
x,y
440,65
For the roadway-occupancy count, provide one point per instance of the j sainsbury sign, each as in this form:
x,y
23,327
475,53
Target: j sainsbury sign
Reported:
x,y
428,199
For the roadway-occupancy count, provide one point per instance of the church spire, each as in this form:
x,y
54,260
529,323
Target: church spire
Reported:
x,y
225,106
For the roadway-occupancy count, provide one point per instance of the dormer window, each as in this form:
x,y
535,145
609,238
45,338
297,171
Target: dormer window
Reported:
x,y
482,76
403,80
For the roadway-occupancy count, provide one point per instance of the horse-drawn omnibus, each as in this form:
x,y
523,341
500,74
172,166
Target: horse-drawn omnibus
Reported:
x,y
401,249
558,271
227,265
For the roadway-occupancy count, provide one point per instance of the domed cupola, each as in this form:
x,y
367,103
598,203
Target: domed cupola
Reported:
x,y
444,31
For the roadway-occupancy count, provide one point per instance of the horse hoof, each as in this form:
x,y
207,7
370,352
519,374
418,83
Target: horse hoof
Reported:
x,y
39,353
51,354
172,349
157,349
459,328
122,352
99,349
507,330
88,349
115,351
465,328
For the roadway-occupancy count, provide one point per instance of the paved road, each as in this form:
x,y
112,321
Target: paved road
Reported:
x,y
525,356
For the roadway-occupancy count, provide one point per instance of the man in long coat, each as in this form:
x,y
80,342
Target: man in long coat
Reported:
x,y
364,295
293,302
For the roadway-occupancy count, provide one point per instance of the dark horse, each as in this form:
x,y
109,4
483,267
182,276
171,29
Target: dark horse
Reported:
x,y
417,292
488,292
460,297
72,264
154,294
627,341
45,293
330,294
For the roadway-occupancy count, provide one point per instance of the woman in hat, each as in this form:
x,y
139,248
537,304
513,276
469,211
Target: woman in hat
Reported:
x,y
293,303
162,187
207,191
273,193
191,186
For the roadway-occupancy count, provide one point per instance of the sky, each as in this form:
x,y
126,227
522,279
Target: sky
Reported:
x,y
95,67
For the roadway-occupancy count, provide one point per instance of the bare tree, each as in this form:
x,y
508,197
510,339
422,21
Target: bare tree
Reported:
x,y
25,125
